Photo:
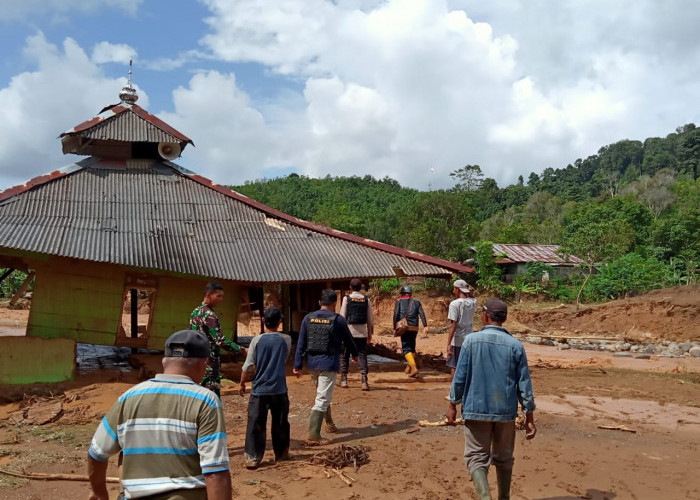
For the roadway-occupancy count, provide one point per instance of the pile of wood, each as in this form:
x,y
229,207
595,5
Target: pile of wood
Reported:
x,y
342,456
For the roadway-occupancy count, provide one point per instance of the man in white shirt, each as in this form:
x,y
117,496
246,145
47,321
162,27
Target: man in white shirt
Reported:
x,y
461,316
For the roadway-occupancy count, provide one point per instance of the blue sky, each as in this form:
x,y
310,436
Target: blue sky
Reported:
x,y
352,87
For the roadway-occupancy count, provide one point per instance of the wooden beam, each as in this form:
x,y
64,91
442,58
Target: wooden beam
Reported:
x,y
6,274
22,289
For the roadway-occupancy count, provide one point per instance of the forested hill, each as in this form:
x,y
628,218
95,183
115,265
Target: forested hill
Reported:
x,y
631,196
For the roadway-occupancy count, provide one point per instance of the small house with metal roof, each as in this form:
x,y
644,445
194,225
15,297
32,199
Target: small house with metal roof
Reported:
x,y
513,259
120,245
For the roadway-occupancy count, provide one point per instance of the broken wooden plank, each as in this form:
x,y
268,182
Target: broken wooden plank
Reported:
x,y
617,428
53,477
440,423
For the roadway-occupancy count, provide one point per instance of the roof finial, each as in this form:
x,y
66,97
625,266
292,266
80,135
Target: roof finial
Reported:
x,y
128,93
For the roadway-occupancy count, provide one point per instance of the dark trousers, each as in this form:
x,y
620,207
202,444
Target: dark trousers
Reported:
x,y
408,342
361,345
256,433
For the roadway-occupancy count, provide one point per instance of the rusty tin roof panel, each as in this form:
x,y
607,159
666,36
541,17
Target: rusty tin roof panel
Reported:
x,y
532,253
156,216
128,123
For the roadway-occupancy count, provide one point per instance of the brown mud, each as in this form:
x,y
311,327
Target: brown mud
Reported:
x,y
571,457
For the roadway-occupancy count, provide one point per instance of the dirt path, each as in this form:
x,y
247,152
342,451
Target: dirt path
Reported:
x,y
570,458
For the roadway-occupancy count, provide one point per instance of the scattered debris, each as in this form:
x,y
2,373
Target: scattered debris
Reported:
x,y
342,456
440,423
617,428
346,479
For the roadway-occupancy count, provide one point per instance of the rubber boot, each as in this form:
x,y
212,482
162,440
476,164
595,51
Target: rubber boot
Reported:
x,y
412,364
344,380
503,476
315,421
481,484
365,384
330,425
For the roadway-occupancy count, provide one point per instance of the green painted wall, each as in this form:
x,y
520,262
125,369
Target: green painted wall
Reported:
x,y
82,301
25,360
76,300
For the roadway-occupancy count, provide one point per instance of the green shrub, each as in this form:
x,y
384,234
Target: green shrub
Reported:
x,y
629,274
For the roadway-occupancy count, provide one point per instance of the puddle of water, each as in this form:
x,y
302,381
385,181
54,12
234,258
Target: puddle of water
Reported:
x,y
632,411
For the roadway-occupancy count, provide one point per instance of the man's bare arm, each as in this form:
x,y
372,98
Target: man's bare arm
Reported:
x,y
218,485
450,336
97,472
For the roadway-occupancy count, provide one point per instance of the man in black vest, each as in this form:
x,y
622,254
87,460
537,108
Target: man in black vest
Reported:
x,y
321,337
357,311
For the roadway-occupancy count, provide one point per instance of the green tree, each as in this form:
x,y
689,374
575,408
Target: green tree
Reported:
x,y
592,235
486,267
469,177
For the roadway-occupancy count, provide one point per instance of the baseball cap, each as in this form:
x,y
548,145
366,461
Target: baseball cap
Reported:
x,y
187,344
496,308
462,285
355,282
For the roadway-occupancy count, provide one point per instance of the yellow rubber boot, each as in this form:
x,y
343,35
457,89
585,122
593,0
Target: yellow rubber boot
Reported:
x,y
412,364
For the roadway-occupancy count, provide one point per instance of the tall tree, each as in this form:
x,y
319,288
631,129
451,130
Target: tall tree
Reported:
x,y
469,177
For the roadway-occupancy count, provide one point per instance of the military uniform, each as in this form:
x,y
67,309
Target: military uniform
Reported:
x,y
205,320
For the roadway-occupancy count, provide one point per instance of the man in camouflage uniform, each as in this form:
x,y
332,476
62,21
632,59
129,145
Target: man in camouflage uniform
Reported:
x,y
205,320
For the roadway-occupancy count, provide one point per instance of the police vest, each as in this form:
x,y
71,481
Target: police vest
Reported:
x,y
357,310
318,335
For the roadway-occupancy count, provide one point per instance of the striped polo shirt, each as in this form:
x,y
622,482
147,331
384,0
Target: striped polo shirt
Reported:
x,y
171,432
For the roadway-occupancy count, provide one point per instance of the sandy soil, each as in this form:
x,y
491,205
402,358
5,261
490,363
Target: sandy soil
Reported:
x,y
571,457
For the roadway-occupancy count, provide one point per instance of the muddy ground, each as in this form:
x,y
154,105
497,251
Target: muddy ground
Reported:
x,y
571,457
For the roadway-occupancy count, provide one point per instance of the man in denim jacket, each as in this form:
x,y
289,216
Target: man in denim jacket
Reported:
x,y
491,377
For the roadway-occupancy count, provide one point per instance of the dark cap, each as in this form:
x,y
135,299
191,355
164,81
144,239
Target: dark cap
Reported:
x,y
355,282
187,344
496,309
272,316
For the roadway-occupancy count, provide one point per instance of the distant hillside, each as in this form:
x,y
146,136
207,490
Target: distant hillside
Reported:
x,y
646,192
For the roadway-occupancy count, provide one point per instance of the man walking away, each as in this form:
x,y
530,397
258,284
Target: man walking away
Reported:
x,y
321,337
267,354
205,320
461,316
492,376
357,311
411,309
171,432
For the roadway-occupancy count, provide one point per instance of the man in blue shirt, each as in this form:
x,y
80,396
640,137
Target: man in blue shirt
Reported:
x,y
268,354
321,337
491,377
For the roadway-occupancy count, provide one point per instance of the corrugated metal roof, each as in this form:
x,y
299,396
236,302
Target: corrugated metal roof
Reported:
x,y
128,123
531,253
156,215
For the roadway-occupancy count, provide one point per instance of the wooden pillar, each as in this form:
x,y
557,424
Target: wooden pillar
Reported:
x,y
286,309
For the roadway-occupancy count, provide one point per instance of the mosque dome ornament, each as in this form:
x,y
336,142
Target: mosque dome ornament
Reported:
x,y
128,94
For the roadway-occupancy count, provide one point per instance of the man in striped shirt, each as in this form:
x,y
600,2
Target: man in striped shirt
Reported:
x,y
170,430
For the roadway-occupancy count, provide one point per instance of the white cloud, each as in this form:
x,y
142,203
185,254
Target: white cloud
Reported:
x,y
105,52
232,139
394,87
390,87
65,90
